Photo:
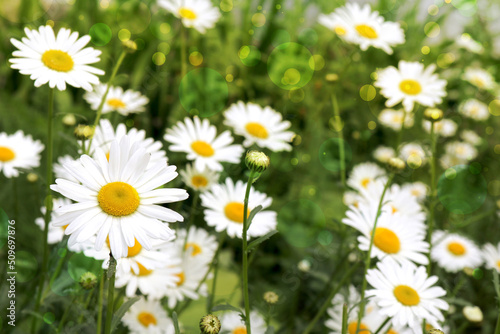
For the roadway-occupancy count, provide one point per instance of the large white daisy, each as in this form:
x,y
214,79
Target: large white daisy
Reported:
x,y
224,203
58,60
56,233
199,180
232,323
198,14
454,252
491,256
148,317
198,139
124,102
118,198
411,83
405,293
18,152
262,126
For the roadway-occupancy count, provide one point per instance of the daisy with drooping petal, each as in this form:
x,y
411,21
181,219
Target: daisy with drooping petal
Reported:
x,y
491,256
198,139
471,137
474,109
124,102
413,153
232,323
59,170
224,209
359,25
453,252
394,119
406,293
58,60
104,135
383,154
262,126
417,189
444,128
118,198
478,77
198,180
363,174
198,14
18,152
411,83
149,317
200,245
56,234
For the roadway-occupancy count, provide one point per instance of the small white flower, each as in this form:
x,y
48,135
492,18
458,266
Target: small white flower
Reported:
x,y
445,127
56,234
491,256
363,174
231,323
461,150
417,189
466,42
471,137
200,245
199,180
18,152
384,153
473,313
454,252
474,109
198,14
148,317
478,77
123,102
413,153
394,119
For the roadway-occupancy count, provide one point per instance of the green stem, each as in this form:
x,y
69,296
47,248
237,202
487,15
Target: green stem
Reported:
x,y
65,315
111,291
56,273
245,254
344,318
432,196
183,52
86,305
192,214
338,127
99,304
368,254
497,328
382,325
328,300
48,206
210,298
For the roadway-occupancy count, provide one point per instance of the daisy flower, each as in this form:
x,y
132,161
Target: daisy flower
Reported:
x,y
198,14
261,126
491,256
444,128
413,152
198,139
58,60
471,137
383,154
453,252
118,198
124,102
104,135
394,119
59,170
474,109
363,174
405,293
411,83
359,25
224,203
56,234
417,189
352,198
198,180
466,42
18,152
200,245
478,77
231,322
394,237
148,317
461,150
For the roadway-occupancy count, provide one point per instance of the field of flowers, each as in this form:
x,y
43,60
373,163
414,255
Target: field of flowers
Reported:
x,y
239,166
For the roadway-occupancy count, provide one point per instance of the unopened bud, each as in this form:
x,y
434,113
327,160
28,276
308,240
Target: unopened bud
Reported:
x,y
433,114
257,161
84,131
32,177
88,280
473,313
69,120
271,297
130,46
396,165
210,324
332,77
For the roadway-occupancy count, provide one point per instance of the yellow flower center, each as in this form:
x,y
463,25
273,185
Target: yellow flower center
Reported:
x,y
199,181
410,87
239,330
256,130
202,148
386,240
132,251
340,30
182,278
196,248
406,295
234,212
394,209
6,154
118,199
366,31
428,327
456,248
146,319
116,103
365,181
478,81
186,13
391,331
143,271
351,328
397,118
58,60
415,193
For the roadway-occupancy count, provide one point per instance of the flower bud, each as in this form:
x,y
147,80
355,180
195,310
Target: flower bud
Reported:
x,y
271,297
396,165
433,114
69,120
257,161
473,313
32,177
210,324
88,280
130,46
84,131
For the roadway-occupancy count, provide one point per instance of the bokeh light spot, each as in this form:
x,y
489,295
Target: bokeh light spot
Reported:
x,y
296,95
196,58
159,58
432,29
258,19
288,66
134,15
249,55
425,50
100,34
317,62
367,92
124,35
494,107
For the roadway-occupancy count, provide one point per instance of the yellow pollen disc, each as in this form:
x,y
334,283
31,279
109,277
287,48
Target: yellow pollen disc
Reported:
x,y
182,278
65,227
196,248
146,319
478,82
415,193
107,156
397,119
57,60
202,148
386,240
428,327
116,103
118,199
394,209
143,271
132,251
340,31
6,154
239,330
406,295
498,264
234,212
410,87
256,130
351,328
365,182
199,181
456,248
366,31
391,331
187,14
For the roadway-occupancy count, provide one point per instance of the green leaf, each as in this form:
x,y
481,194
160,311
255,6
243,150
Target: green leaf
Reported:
x,y
252,214
260,240
117,316
225,307
176,323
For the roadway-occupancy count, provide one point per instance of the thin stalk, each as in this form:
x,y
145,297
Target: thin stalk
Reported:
x,y
344,318
65,315
56,273
192,214
246,298
86,305
99,303
368,255
339,128
433,195
183,52
48,206
210,299
328,300
111,292
383,324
